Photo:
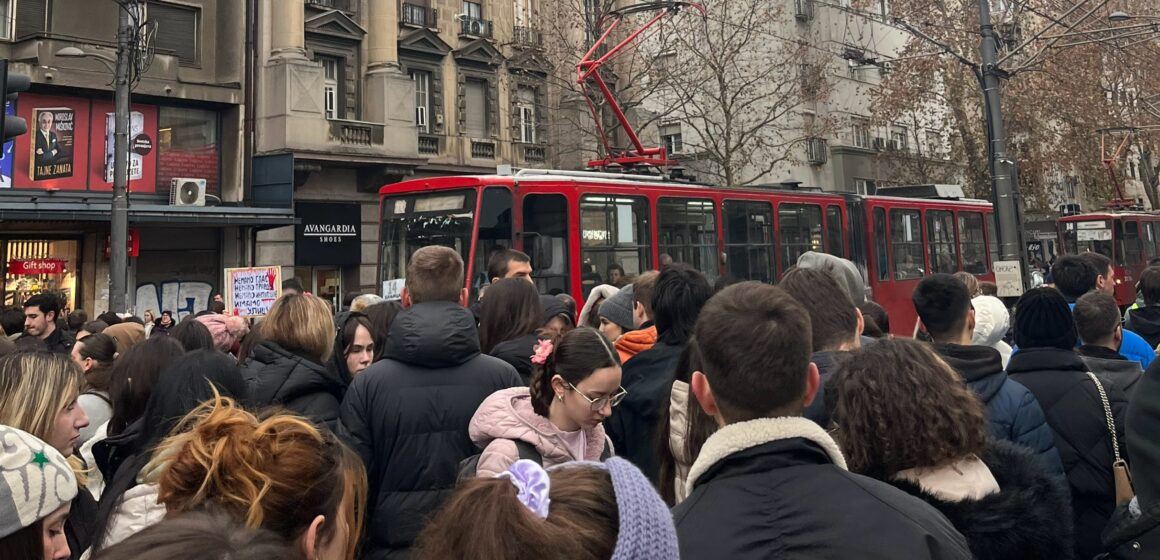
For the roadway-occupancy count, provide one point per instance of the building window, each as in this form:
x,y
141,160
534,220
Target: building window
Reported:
x,y
177,30
35,266
861,134
422,99
933,144
473,10
671,138
31,17
475,107
899,140
864,186
6,12
187,144
331,78
526,114
523,9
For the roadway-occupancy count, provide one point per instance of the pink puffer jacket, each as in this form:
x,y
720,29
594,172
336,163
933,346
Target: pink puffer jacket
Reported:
x,y
507,415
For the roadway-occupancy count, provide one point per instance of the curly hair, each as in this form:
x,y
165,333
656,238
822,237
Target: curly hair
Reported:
x,y
897,405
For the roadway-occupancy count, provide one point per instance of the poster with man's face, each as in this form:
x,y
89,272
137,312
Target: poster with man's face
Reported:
x,y
52,150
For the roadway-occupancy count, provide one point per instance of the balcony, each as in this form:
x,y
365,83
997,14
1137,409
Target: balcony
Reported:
x,y
475,28
534,153
344,5
416,15
527,37
482,150
356,133
428,144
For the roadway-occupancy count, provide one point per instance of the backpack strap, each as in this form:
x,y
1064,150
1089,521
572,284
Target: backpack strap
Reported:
x,y
528,451
607,451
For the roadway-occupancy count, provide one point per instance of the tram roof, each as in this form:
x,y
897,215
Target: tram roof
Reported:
x,y
1107,216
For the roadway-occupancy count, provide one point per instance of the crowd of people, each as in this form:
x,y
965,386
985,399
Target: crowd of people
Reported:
x,y
671,416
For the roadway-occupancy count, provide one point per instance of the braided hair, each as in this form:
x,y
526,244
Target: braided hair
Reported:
x,y
575,355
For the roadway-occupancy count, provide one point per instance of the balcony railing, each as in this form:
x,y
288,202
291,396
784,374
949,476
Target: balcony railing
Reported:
x,y
418,15
355,133
535,153
474,27
428,144
527,37
482,150
344,5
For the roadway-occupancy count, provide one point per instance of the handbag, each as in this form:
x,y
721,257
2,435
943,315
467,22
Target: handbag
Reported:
x,y
1123,477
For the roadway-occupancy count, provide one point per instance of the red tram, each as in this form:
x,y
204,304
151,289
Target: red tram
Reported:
x,y
575,225
1128,238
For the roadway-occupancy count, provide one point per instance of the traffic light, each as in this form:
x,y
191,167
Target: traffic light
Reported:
x,y
14,83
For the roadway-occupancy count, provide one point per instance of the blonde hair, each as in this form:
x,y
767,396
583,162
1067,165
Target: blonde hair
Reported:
x,y
300,322
34,388
276,473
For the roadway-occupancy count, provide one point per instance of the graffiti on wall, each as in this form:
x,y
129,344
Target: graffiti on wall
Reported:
x,y
182,298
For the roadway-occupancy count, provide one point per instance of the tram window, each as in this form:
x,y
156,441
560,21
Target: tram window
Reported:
x,y
880,244
906,238
992,238
614,230
749,239
800,230
546,241
495,233
687,232
972,245
835,240
1149,241
413,221
1131,252
940,235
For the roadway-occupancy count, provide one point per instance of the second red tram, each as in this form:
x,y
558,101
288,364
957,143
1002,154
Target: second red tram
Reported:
x,y
1129,239
575,225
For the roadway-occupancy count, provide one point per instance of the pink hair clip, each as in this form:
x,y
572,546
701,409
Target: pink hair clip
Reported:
x,y
542,350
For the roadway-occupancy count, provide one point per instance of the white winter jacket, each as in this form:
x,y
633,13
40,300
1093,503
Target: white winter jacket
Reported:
x,y
991,323
137,510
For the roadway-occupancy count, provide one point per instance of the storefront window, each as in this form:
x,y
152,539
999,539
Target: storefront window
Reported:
x,y
36,266
187,146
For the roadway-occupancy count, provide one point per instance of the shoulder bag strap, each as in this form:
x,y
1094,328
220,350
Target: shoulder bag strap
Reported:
x,y
1120,473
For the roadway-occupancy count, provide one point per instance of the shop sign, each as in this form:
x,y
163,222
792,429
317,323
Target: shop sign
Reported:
x,y
327,234
133,242
35,267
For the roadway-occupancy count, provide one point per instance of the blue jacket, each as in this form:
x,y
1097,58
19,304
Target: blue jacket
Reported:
x,y
1013,411
1133,347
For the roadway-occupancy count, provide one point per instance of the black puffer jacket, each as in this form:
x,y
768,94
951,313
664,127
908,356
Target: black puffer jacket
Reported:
x,y
279,377
648,377
518,353
1069,398
1145,321
1027,518
407,416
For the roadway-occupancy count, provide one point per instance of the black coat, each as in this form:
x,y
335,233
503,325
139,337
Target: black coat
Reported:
x,y
1072,405
407,416
278,377
782,497
1012,411
59,342
518,352
81,524
1133,535
632,428
1145,321
1027,518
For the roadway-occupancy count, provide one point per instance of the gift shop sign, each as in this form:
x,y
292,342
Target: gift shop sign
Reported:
x,y
35,267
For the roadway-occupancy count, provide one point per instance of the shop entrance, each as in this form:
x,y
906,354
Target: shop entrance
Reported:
x,y
324,282
33,266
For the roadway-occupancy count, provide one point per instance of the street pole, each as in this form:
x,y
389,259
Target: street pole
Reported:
x,y
1003,181
119,219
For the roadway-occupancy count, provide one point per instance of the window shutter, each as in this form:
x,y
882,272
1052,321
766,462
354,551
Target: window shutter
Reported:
x,y
176,30
31,17
461,101
476,107
491,127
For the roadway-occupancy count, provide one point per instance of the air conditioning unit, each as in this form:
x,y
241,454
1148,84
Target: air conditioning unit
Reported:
x,y
184,191
817,151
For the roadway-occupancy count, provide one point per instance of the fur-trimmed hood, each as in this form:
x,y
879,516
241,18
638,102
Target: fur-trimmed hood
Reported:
x,y
744,435
1029,517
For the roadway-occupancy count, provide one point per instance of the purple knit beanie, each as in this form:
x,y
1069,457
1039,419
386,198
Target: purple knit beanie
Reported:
x,y
646,525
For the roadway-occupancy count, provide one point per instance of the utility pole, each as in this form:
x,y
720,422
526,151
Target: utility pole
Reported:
x,y
119,219
1003,181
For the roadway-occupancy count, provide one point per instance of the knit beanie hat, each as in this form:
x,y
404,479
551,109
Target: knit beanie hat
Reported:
x,y
845,273
219,329
1043,320
618,309
553,307
35,480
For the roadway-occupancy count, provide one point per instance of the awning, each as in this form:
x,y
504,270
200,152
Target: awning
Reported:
x,y
147,214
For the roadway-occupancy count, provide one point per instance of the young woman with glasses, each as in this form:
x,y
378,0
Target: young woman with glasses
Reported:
x,y
575,385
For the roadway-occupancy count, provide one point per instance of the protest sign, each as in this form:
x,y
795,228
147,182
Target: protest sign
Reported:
x,y
250,292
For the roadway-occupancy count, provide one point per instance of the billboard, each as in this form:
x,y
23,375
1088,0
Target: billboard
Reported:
x,y
54,153
142,151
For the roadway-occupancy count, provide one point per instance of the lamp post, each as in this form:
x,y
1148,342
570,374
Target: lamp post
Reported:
x,y
119,216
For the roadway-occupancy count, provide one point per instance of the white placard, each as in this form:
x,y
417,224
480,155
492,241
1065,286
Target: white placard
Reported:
x,y
393,289
1093,235
1009,278
1091,225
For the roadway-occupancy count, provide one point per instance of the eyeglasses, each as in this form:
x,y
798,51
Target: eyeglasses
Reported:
x,y
598,403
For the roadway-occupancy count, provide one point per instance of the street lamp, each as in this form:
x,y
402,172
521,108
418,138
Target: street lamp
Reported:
x,y
119,215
